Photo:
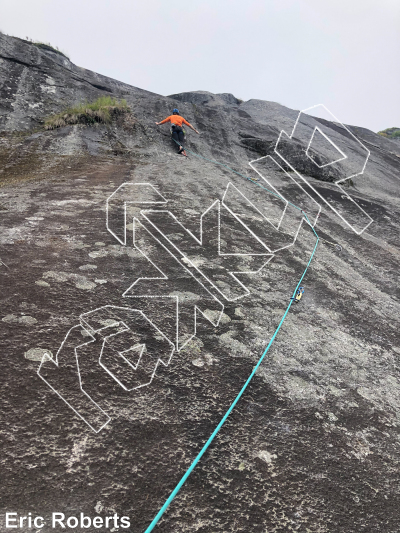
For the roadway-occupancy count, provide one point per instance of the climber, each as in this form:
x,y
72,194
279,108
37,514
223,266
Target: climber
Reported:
x,y
176,128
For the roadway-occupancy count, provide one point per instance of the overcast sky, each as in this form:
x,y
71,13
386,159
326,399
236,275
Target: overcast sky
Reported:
x,y
341,53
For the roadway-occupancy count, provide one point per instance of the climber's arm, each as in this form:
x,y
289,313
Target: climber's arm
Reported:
x,y
168,119
190,126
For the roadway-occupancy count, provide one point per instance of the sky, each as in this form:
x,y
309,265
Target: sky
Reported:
x,y
344,54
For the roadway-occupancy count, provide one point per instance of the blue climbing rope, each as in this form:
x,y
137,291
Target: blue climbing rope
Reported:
x,y
215,432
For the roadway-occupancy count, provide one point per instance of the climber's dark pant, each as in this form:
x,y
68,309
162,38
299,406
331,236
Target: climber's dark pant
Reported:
x,y
178,135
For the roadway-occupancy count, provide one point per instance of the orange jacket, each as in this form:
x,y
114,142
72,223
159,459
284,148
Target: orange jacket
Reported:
x,y
176,119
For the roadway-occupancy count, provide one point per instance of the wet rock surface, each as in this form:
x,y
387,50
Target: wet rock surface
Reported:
x,y
313,444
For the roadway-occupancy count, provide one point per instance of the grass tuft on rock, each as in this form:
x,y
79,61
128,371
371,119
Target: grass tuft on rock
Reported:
x,y
43,46
390,133
49,47
102,110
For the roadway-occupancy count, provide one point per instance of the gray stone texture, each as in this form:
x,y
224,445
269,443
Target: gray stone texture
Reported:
x,y
313,444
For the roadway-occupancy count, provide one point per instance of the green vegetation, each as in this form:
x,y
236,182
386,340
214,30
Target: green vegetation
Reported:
x,y
390,133
102,110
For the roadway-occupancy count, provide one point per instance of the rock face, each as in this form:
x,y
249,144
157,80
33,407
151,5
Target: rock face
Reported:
x,y
205,97
36,82
111,244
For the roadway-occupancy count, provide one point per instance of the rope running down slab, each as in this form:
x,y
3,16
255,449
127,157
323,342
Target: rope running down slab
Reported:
x,y
217,429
